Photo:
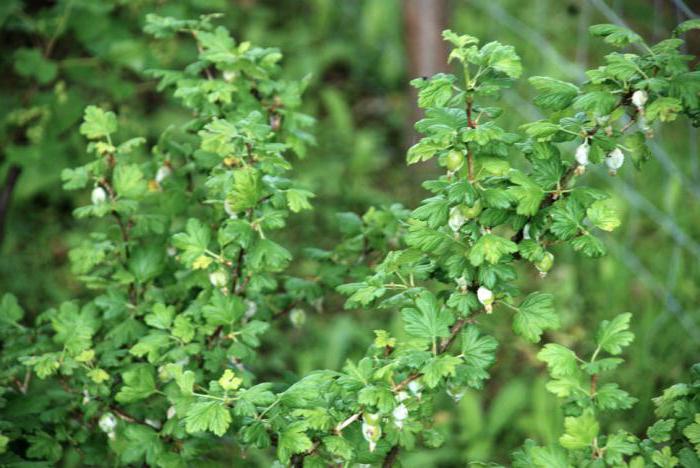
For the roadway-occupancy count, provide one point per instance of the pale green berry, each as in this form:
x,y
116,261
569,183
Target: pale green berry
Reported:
x,y
454,160
545,263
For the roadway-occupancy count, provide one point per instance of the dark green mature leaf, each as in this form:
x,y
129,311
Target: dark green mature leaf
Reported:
x,y
616,35
292,440
139,383
554,94
535,315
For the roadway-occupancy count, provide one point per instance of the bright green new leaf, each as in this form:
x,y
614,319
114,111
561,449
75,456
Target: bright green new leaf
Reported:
x,y
208,415
491,248
613,335
603,215
580,432
98,123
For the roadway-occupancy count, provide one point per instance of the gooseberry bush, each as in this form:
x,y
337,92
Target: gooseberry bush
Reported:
x,y
189,271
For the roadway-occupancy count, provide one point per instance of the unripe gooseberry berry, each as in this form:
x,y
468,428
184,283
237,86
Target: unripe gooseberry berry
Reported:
x,y
470,212
545,263
454,160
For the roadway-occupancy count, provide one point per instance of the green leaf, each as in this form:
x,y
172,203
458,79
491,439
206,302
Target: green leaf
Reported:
x,y
528,194
438,368
664,458
45,447
429,320
619,445
560,360
247,189
379,396
31,63
139,383
692,432
686,26
435,91
580,431
603,215
423,151
665,109
193,242
293,440
598,102
616,35
554,94
535,315
129,181
98,123
217,46
74,328
660,431
567,216
613,335
208,415
491,248
10,311
611,397
161,317
298,199
503,58
590,245
268,255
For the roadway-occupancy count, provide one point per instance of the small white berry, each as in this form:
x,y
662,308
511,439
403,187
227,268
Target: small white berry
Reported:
x,y
229,210
298,317
400,413
162,173
218,278
457,219
526,231
582,153
485,296
455,392
153,423
107,422
251,309
614,160
98,195
415,387
462,283
639,98
171,412
401,396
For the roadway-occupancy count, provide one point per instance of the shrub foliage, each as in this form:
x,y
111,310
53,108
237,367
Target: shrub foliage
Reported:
x,y
189,269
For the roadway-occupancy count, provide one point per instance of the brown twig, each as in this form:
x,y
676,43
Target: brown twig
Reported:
x,y
13,174
390,458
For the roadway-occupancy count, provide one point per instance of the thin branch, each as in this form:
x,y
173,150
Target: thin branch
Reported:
x,y
6,195
390,458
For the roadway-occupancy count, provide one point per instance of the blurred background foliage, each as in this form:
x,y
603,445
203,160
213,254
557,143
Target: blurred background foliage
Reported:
x,y
58,56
